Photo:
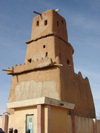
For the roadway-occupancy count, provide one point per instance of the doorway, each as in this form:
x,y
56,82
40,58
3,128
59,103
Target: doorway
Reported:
x,y
29,122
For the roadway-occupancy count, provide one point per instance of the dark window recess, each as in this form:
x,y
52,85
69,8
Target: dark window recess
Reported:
x,y
45,22
62,21
29,60
44,46
68,62
37,23
57,23
46,54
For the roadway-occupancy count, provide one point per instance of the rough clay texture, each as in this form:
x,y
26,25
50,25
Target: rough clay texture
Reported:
x,y
57,79
30,89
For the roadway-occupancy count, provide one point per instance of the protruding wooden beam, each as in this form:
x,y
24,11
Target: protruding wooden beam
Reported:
x,y
6,70
37,13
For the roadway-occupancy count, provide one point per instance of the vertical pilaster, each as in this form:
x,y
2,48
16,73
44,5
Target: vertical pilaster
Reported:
x,y
48,126
40,119
94,126
5,123
73,124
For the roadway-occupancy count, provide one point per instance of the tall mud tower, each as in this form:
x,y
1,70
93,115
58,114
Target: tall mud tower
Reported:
x,y
48,70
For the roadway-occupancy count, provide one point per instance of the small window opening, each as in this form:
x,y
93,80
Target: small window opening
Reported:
x,y
29,60
57,23
44,46
45,22
68,62
46,54
37,23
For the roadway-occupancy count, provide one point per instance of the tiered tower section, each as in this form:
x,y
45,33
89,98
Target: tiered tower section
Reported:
x,y
48,69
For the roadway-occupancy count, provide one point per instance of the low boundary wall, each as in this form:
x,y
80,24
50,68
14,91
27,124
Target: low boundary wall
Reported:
x,y
83,125
76,124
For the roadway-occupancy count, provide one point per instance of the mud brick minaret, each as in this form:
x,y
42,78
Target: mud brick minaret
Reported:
x,y
48,70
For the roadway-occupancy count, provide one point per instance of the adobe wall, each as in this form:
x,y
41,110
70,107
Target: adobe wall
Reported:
x,y
55,120
98,126
34,84
45,81
58,120
37,50
65,52
76,90
52,119
1,119
49,115
55,23
4,123
48,69
18,119
83,125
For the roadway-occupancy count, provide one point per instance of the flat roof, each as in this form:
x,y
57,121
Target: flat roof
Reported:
x,y
41,100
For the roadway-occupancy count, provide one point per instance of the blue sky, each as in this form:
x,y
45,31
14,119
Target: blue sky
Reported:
x,y
83,24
